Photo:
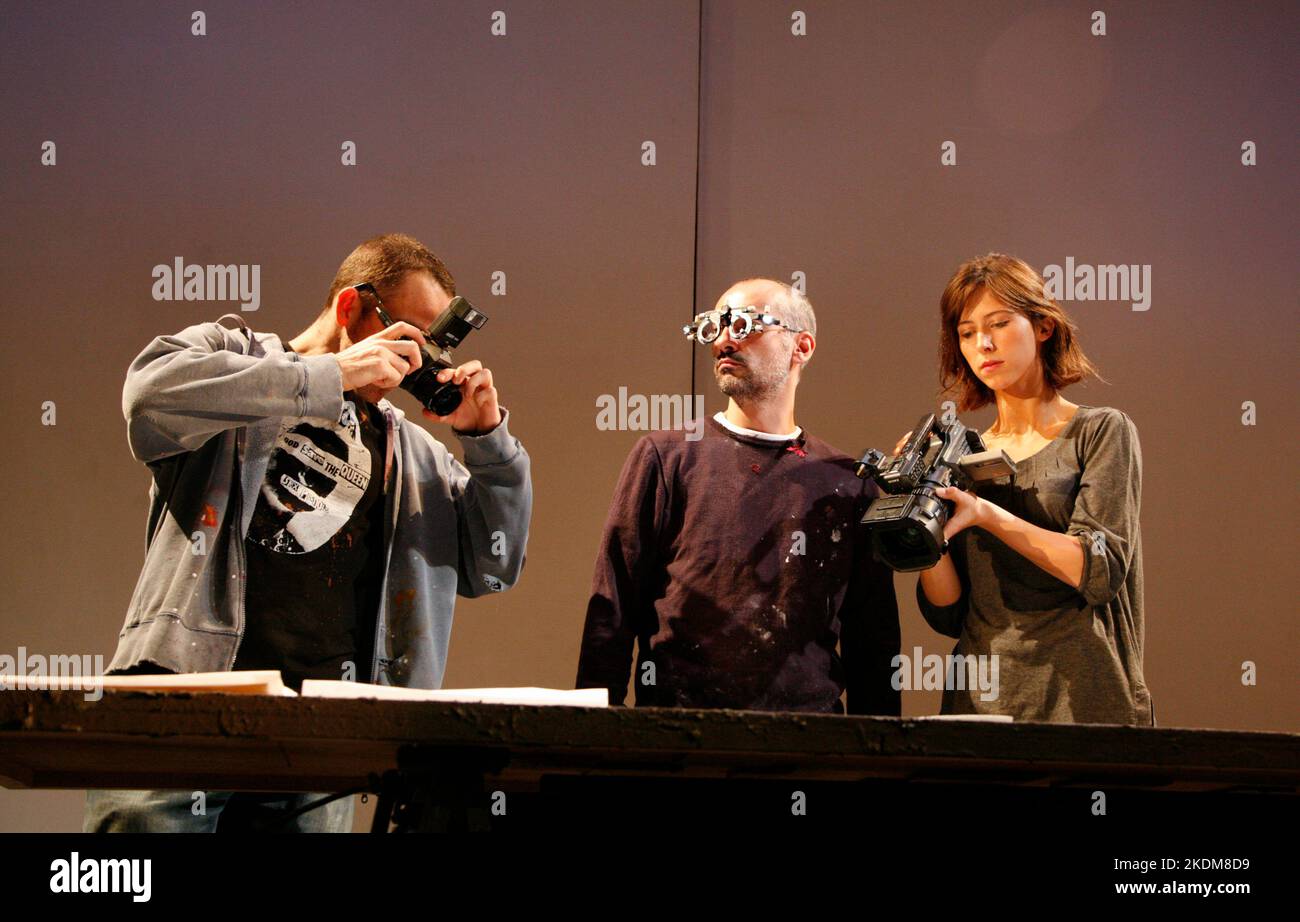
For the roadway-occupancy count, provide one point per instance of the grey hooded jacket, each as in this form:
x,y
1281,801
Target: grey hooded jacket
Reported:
x,y
203,410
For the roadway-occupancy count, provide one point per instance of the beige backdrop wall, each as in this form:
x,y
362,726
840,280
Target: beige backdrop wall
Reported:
x,y
820,153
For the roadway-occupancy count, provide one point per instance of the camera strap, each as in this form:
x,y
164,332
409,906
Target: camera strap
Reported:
x,y
243,326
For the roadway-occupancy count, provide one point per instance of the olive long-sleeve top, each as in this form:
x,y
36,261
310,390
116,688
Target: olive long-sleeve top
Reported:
x,y
735,563
1066,654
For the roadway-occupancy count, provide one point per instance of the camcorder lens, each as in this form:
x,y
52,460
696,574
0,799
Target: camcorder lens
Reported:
x,y
910,539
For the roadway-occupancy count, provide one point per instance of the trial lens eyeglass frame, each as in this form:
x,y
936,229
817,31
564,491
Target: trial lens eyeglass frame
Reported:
x,y
739,322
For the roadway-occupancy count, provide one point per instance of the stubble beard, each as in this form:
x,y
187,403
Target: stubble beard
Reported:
x,y
759,384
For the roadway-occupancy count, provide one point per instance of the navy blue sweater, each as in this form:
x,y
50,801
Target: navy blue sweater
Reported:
x,y
736,565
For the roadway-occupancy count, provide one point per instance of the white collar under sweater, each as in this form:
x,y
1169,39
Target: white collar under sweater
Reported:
x,y
741,430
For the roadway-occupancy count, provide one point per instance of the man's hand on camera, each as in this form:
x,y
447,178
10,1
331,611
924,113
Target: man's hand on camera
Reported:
x,y
478,411
382,360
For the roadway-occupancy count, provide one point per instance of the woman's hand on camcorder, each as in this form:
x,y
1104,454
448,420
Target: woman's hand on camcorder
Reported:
x,y
968,510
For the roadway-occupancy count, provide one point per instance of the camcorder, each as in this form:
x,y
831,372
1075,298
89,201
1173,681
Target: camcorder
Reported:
x,y
906,524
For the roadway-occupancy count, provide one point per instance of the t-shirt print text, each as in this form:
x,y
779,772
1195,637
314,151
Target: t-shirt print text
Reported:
x,y
314,479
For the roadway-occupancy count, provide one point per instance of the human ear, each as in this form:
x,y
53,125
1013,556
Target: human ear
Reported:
x,y
804,346
347,307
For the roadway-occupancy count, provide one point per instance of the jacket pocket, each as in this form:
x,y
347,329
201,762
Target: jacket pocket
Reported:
x,y
187,568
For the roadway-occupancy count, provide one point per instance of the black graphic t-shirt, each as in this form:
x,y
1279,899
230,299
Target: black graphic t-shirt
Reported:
x,y
315,549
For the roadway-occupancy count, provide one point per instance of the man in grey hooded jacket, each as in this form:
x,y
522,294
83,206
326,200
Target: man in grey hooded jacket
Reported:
x,y
277,538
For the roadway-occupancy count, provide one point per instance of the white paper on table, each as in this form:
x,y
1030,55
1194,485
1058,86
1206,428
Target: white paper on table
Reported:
x,y
575,697
242,682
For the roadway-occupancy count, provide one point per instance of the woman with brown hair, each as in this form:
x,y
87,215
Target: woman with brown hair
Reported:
x,y
1044,567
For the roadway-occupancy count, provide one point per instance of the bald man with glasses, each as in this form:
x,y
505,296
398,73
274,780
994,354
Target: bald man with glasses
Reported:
x,y
735,564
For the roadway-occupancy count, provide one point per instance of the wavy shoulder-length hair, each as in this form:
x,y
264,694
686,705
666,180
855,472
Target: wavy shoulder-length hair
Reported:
x,y
1015,283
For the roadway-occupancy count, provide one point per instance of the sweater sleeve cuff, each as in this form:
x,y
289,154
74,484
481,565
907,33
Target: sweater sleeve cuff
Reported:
x,y
1093,585
496,446
320,389
944,619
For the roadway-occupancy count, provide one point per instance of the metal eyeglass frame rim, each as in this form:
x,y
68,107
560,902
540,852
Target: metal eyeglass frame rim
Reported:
x,y
691,330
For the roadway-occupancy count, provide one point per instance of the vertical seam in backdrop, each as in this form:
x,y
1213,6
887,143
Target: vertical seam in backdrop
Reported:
x,y
699,139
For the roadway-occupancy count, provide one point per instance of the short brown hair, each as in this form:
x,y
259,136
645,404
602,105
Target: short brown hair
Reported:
x,y
798,309
1015,283
384,261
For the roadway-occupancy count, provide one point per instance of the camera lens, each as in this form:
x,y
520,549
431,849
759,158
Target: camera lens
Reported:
x,y
911,539
905,548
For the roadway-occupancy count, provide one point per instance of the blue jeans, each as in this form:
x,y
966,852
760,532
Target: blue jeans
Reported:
x,y
237,811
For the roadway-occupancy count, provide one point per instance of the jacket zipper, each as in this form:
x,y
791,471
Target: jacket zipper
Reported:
x,y
388,550
238,478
